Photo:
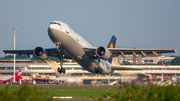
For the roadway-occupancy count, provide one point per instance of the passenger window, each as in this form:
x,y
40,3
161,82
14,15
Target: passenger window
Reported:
x,y
67,32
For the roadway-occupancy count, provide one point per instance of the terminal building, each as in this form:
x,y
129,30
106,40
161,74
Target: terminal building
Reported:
x,y
140,59
39,69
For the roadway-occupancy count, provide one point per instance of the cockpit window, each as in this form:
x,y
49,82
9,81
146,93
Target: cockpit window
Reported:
x,y
59,24
55,23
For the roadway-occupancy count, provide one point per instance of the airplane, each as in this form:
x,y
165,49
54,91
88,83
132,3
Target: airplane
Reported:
x,y
11,78
70,45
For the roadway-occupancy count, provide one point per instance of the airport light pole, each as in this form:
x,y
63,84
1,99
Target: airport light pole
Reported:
x,y
162,70
14,49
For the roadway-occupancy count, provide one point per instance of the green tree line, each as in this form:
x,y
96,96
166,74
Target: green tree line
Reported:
x,y
175,61
17,57
26,57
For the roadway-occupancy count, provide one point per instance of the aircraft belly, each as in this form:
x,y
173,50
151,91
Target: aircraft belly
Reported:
x,y
74,49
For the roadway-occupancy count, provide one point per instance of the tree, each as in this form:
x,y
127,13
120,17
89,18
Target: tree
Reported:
x,y
166,63
8,57
50,58
173,56
12,56
34,58
175,61
22,56
126,63
54,58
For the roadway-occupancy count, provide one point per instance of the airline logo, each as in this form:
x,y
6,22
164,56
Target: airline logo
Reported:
x,y
19,73
111,45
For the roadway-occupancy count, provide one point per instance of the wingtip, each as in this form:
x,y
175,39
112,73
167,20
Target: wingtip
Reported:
x,y
174,51
4,51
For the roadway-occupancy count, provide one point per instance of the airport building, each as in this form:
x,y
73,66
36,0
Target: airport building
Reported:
x,y
42,70
149,59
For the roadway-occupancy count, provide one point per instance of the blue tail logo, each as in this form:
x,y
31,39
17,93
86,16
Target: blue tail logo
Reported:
x,y
112,44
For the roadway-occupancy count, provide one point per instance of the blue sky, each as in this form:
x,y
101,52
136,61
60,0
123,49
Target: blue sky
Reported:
x,y
136,23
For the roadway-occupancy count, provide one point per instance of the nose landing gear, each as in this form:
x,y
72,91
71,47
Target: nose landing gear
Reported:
x,y
58,44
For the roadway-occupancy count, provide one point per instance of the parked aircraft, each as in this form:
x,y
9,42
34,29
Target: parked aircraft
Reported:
x,y
70,45
10,78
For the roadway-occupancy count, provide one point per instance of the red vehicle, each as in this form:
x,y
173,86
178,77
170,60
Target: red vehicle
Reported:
x,y
93,83
1,82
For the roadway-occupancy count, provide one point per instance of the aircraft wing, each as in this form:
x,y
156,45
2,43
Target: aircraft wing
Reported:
x,y
120,51
28,52
19,52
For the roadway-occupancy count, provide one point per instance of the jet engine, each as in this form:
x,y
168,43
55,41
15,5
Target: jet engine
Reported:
x,y
103,53
40,53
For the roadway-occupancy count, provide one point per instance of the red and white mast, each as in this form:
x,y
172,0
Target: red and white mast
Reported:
x,y
14,49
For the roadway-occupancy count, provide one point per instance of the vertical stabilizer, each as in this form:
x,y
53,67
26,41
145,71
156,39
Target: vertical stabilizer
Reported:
x,y
19,73
112,44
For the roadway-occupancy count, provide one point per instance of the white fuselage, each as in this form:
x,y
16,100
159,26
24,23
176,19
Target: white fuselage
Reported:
x,y
72,44
5,77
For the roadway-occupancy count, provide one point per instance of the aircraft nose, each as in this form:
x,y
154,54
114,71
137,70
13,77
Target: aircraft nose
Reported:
x,y
53,32
52,29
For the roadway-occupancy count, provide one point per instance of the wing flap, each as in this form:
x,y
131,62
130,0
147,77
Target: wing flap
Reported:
x,y
140,51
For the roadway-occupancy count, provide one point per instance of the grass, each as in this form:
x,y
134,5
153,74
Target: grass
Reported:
x,y
77,92
26,93
118,93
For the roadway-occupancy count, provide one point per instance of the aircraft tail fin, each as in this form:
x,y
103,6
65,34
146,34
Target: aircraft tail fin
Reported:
x,y
112,44
19,73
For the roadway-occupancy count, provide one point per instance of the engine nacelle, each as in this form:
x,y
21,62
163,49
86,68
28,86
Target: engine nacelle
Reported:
x,y
103,53
40,53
